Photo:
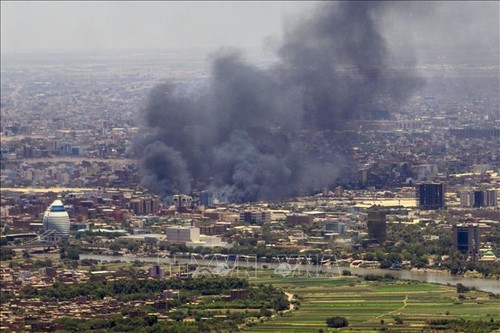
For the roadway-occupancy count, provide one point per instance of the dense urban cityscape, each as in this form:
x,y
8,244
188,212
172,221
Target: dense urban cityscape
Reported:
x,y
396,209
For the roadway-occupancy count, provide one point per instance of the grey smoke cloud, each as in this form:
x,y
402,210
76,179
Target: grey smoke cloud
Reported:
x,y
162,163
267,133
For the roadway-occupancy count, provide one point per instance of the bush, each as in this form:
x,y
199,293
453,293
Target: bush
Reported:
x,y
439,322
373,277
337,322
346,272
461,288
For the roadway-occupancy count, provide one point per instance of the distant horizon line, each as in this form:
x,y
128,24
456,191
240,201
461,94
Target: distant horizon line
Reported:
x,y
208,49
94,50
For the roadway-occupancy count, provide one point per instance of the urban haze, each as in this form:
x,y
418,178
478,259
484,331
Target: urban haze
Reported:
x,y
250,166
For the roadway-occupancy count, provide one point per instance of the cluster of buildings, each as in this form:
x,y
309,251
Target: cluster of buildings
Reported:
x,y
21,143
80,110
307,223
90,110
479,198
110,210
93,208
36,315
432,196
433,160
70,172
466,236
437,152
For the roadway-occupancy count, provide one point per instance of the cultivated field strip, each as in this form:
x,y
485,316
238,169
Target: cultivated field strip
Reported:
x,y
371,306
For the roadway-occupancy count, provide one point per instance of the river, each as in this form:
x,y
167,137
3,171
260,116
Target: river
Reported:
x,y
488,285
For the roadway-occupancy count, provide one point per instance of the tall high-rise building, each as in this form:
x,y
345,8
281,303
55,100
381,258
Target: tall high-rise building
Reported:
x,y
182,201
207,198
339,191
377,226
136,206
56,218
491,198
466,199
487,198
466,239
431,195
478,198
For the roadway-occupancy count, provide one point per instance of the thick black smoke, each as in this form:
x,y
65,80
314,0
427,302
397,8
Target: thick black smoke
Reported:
x,y
260,134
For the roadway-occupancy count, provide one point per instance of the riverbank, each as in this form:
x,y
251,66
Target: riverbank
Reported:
x,y
471,275
310,271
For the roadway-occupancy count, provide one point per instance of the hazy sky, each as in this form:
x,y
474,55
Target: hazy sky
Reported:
x,y
71,25
107,25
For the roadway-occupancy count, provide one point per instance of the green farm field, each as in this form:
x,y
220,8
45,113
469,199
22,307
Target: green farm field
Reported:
x,y
373,306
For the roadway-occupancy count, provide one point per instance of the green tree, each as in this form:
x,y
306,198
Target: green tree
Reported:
x,y
337,322
73,253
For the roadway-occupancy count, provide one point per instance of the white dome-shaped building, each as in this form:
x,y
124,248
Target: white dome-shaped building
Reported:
x,y
56,218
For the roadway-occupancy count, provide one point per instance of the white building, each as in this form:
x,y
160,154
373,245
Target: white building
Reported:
x,y
208,241
467,199
190,236
56,218
182,234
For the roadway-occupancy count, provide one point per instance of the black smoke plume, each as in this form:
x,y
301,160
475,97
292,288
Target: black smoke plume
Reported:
x,y
259,134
